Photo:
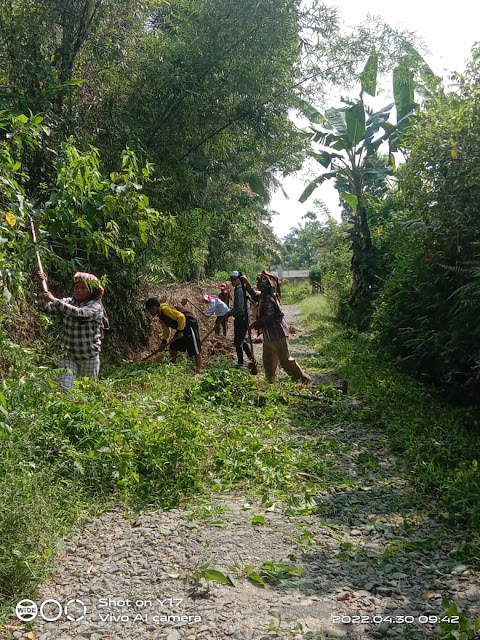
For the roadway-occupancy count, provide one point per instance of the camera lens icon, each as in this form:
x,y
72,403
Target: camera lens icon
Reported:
x,y
26,610
51,610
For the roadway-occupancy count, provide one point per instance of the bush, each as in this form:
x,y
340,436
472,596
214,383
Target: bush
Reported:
x,y
427,313
295,293
315,275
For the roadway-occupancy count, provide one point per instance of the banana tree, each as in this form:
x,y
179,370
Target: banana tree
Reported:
x,y
346,139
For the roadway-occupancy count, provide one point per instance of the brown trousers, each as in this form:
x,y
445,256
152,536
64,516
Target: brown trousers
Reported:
x,y
275,351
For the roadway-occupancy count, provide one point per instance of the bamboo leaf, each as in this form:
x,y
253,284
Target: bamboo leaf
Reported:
x,y
255,579
258,520
218,576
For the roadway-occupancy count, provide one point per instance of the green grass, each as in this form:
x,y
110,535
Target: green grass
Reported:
x,y
145,434
314,310
433,438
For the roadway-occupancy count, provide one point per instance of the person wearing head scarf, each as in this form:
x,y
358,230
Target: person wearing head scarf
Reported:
x,y
219,309
273,327
84,321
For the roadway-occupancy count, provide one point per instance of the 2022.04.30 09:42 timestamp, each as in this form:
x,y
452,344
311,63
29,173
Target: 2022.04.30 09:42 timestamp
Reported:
x,y
404,619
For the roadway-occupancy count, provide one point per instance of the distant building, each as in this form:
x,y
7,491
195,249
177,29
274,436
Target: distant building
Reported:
x,y
293,277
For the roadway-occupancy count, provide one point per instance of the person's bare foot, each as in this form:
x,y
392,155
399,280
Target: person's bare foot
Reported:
x,y
305,380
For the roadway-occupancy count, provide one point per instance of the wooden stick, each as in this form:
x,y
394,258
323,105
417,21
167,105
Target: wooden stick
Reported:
x,y
207,334
154,353
195,306
43,284
253,365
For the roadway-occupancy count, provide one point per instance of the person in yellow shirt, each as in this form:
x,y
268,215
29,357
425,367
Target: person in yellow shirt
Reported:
x,y
186,336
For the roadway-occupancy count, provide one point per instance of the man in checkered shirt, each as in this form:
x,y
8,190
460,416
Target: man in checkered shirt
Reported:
x,y
83,322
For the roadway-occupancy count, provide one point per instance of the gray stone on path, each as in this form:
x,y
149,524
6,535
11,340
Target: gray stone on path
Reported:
x,y
459,568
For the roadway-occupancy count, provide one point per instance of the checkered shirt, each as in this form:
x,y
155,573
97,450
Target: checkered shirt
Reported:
x,y
82,322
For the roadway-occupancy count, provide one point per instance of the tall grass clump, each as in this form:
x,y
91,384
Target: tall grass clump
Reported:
x,y
295,293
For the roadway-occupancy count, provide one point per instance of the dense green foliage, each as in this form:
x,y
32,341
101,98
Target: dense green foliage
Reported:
x,y
346,141
423,239
323,247
161,128
428,308
293,294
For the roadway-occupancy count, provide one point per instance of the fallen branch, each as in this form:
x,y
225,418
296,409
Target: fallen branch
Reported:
x,y
306,396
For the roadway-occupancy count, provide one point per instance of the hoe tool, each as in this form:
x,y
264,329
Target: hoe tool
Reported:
x,y
253,365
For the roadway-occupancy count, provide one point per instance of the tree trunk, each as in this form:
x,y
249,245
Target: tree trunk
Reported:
x,y
362,275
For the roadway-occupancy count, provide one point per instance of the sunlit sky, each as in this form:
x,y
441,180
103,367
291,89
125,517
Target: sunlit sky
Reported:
x,y
449,31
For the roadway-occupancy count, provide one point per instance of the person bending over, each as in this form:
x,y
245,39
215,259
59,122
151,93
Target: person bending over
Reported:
x,y
220,310
186,337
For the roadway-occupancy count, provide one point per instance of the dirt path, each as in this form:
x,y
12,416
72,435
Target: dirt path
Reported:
x,y
368,550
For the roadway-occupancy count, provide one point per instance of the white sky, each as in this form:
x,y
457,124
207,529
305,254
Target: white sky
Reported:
x,y
449,31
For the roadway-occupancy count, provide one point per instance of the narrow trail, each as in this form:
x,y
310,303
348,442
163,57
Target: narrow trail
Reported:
x,y
368,550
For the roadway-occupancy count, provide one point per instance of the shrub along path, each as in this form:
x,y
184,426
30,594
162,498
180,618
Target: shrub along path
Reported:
x,y
353,541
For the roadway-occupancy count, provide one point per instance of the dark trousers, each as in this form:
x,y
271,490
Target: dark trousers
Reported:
x,y
221,321
240,327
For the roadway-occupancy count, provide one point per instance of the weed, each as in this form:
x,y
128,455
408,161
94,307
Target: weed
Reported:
x,y
279,574
278,628
300,505
306,540
210,513
197,580
455,626
295,293
368,460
